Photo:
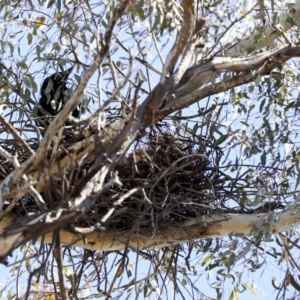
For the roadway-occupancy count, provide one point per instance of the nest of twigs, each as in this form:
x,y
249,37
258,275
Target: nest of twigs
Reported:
x,y
173,177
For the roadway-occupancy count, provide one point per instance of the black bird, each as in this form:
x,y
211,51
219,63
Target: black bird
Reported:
x,y
54,95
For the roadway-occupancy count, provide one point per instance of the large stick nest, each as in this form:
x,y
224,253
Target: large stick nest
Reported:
x,y
177,177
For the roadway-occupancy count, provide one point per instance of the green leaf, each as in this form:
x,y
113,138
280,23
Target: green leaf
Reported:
x,y
234,295
58,6
23,65
243,253
257,80
205,260
249,289
26,81
28,265
29,38
222,139
262,104
294,283
129,274
263,158
139,10
50,3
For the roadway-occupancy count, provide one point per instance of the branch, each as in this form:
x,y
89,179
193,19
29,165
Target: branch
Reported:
x,y
205,226
13,131
60,119
185,33
220,225
82,149
203,72
268,34
270,63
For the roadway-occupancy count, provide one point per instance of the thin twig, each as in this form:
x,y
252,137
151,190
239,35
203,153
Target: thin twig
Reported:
x,y
60,266
10,128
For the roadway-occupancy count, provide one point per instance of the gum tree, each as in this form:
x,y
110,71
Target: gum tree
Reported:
x,y
186,161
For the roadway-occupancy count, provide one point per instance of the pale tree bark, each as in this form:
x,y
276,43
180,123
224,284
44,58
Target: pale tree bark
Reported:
x,y
215,226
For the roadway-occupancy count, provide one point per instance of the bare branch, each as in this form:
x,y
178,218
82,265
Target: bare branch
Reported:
x,y
10,128
204,226
59,260
141,60
263,63
185,33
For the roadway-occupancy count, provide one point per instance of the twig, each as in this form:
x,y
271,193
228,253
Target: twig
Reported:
x,y
38,270
171,166
185,33
118,202
37,197
155,43
60,266
10,128
113,97
142,61
237,21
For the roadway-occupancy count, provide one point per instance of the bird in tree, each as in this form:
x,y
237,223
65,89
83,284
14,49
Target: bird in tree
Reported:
x,y
54,95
